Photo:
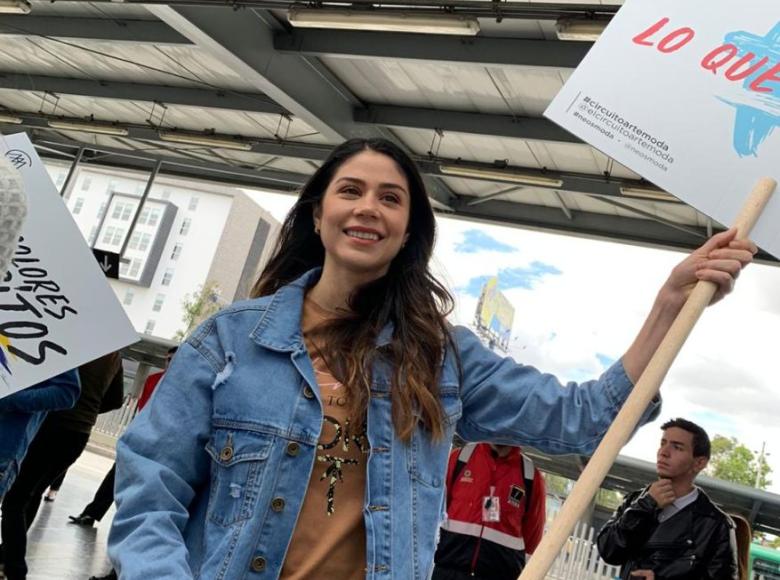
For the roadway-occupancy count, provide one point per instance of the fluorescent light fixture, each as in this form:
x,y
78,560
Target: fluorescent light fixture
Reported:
x,y
88,127
647,193
580,29
13,120
206,140
498,175
383,21
15,7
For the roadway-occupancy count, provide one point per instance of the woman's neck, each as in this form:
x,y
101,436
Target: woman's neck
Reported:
x,y
333,292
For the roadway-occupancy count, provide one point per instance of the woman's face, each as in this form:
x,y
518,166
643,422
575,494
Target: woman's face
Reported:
x,y
363,216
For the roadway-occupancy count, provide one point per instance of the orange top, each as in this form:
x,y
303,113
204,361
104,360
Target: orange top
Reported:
x,y
329,540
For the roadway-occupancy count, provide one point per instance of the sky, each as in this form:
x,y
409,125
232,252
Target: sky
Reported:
x,y
579,303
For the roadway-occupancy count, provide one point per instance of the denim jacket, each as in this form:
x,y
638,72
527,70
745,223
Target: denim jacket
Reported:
x,y
212,475
22,413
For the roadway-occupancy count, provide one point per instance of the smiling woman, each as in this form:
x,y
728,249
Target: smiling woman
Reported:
x,y
305,433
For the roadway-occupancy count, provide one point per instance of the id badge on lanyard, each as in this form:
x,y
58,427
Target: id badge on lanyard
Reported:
x,y
491,507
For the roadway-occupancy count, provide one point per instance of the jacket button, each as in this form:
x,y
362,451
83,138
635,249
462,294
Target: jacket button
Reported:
x,y
308,393
293,449
258,564
226,454
277,504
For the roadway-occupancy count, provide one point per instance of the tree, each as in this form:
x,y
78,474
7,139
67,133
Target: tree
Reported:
x,y
197,307
733,461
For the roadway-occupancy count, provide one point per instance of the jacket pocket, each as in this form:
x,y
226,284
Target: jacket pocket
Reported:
x,y
427,459
238,462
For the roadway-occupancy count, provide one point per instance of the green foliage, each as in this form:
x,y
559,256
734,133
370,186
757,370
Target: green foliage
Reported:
x,y
557,485
197,307
733,461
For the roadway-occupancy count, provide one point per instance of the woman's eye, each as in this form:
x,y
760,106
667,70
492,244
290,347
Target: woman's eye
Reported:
x,y
392,198
352,191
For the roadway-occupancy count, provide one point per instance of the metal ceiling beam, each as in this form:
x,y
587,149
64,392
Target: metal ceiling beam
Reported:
x,y
589,224
189,96
470,50
298,150
244,41
462,122
211,171
643,232
108,29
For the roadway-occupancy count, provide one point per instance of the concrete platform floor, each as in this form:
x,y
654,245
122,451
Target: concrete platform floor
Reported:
x,y
61,551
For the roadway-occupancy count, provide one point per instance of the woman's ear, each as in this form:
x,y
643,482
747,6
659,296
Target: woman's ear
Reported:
x,y
317,218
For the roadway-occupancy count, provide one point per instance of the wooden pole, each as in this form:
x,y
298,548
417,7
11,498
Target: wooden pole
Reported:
x,y
643,392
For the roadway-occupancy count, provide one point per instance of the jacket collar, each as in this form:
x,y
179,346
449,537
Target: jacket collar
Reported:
x,y
279,328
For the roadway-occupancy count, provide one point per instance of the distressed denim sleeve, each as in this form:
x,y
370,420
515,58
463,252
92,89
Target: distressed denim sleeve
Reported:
x,y
161,462
509,403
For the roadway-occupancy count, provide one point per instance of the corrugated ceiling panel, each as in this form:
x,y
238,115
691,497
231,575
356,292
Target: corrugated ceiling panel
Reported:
x,y
522,91
180,65
90,9
179,116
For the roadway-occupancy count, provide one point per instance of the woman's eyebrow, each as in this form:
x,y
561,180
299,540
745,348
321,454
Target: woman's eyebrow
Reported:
x,y
388,185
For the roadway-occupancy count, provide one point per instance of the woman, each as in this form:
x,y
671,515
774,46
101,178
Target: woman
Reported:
x,y
305,433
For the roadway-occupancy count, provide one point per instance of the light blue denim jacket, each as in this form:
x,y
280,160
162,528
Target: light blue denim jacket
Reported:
x,y
212,475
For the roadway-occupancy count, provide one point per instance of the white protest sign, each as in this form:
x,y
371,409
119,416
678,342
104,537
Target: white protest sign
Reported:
x,y
687,94
57,310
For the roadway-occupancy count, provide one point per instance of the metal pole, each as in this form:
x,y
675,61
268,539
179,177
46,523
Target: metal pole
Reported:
x,y
137,214
760,464
71,174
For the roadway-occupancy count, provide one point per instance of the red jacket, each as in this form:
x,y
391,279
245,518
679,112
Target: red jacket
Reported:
x,y
149,386
491,549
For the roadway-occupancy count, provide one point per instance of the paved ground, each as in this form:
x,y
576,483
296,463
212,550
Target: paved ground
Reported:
x,y
60,551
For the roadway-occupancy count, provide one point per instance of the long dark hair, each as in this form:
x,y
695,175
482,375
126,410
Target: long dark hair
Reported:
x,y
408,296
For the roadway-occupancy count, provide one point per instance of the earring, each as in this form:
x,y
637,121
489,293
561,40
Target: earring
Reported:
x,y
317,230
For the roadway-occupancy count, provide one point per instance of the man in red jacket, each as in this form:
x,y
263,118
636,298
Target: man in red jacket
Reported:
x,y
495,514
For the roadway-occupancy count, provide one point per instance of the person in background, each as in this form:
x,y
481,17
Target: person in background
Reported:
x,y
21,415
495,514
104,496
62,437
671,530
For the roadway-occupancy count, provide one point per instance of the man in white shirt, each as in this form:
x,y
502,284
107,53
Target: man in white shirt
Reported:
x,y
671,530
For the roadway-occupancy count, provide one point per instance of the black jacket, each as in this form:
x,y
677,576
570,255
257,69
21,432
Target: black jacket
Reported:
x,y
697,543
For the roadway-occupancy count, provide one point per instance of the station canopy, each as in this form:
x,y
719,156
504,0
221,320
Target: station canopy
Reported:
x,y
256,93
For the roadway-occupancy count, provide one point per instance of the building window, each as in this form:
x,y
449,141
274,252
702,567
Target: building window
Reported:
x,y
166,193
185,226
124,266
101,210
134,267
193,203
113,236
128,298
149,216
112,185
149,327
154,216
158,302
167,277
176,252
85,183
92,235
139,188
122,211
78,205
60,180
134,239
144,243
109,234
